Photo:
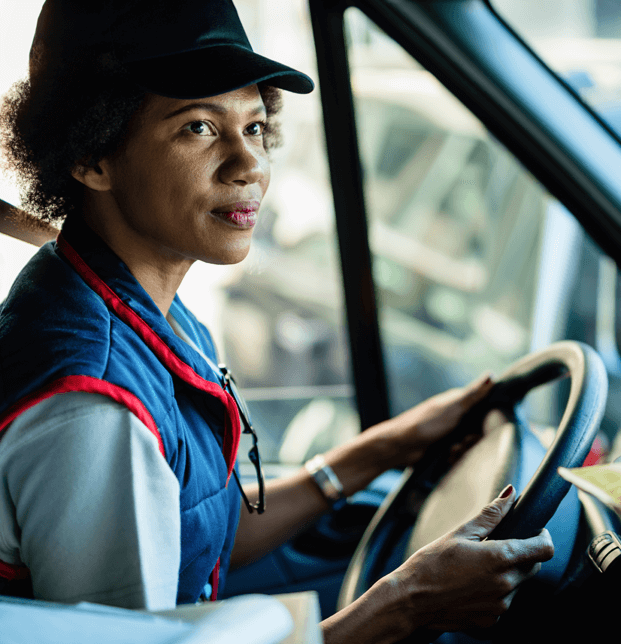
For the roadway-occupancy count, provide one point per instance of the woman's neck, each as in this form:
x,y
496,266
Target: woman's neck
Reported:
x,y
160,273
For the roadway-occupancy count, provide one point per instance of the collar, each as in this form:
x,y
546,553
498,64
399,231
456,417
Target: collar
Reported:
x,y
110,277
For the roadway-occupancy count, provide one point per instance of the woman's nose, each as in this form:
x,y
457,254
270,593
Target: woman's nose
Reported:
x,y
245,163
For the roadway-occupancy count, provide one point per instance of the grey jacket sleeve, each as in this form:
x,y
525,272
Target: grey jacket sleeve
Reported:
x,y
89,504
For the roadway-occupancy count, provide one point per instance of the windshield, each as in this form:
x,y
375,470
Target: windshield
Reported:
x,y
581,41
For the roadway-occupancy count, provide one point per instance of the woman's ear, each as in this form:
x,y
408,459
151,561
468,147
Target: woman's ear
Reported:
x,y
94,177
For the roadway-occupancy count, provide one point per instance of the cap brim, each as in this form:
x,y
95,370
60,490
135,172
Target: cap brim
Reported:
x,y
214,70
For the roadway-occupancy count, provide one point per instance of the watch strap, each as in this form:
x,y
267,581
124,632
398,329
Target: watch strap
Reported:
x,y
327,481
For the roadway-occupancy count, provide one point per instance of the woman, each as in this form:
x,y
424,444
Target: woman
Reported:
x,y
145,127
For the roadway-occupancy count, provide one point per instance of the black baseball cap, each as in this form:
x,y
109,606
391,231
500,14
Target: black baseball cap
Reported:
x,y
176,48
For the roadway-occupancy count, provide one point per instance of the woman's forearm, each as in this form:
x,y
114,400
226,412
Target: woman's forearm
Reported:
x,y
380,616
294,502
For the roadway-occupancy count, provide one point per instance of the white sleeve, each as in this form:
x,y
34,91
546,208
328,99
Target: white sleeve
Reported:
x,y
89,504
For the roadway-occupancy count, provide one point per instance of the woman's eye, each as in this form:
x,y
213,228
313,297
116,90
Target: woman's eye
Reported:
x,y
198,127
256,129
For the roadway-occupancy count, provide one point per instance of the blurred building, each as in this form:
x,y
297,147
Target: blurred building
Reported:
x,y
563,19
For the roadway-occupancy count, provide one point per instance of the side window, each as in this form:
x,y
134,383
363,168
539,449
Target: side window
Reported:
x,y
14,254
455,225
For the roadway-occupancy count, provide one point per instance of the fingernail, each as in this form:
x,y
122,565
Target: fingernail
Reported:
x,y
506,492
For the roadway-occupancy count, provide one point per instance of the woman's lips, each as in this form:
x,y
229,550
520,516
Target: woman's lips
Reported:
x,y
239,215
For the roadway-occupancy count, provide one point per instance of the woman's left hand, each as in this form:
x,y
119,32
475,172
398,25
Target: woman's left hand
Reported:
x,y
413,431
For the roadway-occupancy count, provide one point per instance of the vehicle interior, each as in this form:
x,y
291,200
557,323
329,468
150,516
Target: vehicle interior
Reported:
x,y
447,202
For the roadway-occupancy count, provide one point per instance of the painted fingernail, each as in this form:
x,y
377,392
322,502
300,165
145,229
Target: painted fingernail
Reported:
x,y
506,492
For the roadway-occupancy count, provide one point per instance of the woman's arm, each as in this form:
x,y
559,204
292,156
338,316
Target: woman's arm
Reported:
x,y
295,502
457,582
96,506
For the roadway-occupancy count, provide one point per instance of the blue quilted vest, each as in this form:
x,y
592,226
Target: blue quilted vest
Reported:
x,y
77,320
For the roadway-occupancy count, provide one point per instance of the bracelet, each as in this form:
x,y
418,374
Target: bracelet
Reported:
x,y
327,481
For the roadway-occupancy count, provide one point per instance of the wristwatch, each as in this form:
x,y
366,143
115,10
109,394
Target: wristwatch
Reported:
x,y
327,481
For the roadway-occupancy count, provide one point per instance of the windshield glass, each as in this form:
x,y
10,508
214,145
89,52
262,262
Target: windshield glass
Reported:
x,y
581,41
475,263
455,225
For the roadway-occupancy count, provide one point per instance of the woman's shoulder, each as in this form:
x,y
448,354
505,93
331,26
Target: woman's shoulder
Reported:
x,y
51,325
88,411
49,301
49,286
57,334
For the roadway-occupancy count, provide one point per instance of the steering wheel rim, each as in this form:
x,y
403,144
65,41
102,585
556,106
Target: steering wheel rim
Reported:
x,y
545,490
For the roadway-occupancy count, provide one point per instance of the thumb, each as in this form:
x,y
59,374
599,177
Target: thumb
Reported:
x,y
489,517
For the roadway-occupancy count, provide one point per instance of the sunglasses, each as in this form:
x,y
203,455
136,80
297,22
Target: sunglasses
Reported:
x,y
253,454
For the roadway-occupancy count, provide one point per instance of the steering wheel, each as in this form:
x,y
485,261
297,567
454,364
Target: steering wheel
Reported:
x,y
493,460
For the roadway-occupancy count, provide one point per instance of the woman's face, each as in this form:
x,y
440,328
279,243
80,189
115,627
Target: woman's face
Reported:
x,y
188,181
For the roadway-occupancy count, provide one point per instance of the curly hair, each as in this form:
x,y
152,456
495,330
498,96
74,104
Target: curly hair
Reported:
x,y
55,121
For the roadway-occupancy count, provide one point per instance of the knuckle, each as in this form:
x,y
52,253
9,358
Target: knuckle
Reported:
x,y
492,512
501,606
502,584
506,585
503,554
548,545
506,603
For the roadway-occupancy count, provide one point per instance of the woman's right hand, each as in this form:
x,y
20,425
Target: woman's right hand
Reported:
x,y
455,583
461,581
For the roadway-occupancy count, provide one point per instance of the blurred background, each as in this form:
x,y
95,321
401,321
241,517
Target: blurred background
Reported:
x,y
474,262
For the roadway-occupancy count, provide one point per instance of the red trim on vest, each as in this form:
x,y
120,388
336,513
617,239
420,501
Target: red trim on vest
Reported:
x,y
214,578
86,384
12,572
164,353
